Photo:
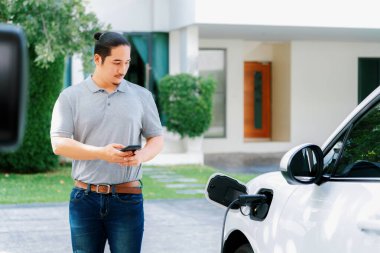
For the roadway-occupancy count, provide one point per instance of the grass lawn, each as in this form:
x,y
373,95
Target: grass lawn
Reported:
x,y
55,186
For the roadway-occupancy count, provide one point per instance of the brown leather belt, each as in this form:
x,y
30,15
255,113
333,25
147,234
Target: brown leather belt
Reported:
x,y
133,187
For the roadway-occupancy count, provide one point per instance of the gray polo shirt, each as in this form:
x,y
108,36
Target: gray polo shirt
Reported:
x,y
92,116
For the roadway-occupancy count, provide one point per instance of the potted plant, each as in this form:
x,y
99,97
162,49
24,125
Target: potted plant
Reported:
x,y
186,102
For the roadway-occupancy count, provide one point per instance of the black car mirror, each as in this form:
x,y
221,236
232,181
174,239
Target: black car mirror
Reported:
x,y
302,164
13,86
223,190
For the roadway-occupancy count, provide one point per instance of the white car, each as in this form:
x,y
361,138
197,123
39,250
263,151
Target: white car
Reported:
x,y
322,200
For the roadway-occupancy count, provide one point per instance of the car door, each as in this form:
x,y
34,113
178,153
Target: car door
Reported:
x,y
342,214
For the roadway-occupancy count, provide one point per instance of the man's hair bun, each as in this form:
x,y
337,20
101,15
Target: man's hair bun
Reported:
x,y
97,35
105,41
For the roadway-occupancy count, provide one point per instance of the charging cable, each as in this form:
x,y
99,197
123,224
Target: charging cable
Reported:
x,y
242,200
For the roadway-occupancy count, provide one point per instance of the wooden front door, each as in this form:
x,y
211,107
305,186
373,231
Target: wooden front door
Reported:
x,y
257,100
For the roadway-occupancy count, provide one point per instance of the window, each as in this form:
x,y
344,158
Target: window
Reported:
x,y
212,64
361,150
368,76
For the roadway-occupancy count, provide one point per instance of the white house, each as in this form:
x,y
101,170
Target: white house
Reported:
x,y
288,71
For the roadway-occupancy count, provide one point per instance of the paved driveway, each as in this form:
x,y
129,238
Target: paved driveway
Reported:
x,y
192,225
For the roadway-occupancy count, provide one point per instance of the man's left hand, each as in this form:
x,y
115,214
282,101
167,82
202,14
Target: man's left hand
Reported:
x,y
133,160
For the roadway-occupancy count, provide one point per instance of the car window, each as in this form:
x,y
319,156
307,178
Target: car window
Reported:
x,y
361,149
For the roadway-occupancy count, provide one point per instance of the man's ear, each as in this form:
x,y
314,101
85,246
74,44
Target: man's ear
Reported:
x,y
97,59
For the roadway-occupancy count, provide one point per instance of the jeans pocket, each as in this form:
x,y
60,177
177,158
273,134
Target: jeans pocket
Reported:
x,y
77,194
129,198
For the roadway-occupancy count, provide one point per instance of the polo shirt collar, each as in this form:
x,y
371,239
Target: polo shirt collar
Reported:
x,y
95,88
122,86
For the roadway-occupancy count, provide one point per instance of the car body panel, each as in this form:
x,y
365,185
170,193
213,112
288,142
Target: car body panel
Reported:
x,y
261,234
336,216
328,217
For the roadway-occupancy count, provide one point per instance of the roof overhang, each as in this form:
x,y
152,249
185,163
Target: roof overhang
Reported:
x,y
287,33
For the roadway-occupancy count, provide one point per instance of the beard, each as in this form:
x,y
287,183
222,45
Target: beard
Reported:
x,y
118,82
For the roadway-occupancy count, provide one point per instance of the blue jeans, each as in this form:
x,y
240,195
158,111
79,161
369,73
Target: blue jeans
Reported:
x,y
95,218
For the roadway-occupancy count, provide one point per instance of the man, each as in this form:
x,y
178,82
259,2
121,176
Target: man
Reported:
x,y
91,122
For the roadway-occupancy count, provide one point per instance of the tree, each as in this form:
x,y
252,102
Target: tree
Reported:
x,y
54,30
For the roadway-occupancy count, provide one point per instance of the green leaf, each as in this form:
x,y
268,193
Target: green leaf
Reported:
x,y
55,28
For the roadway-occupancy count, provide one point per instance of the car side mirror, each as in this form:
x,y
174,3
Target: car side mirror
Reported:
x,y
302,164
13,86
223,190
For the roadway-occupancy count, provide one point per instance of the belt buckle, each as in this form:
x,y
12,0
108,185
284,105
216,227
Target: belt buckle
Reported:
x,y
108,188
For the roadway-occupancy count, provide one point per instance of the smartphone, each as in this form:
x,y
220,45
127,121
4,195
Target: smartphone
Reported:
x,y
131,148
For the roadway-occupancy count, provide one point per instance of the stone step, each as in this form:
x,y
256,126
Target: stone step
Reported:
x,y
187,186
181,186
177,179
191,191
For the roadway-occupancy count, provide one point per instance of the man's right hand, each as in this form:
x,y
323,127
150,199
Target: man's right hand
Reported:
x,y
112,153
78,151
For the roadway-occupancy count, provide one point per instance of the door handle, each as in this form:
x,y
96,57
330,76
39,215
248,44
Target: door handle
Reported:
x,y
369,225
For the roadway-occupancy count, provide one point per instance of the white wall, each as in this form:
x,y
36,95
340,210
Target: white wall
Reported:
x,y
257,51
315,13
324,84
165,15
132,15
182,13
161,15
281,92
77,75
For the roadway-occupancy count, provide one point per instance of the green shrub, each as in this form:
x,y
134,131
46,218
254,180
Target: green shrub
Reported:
x,y
186,102
35,154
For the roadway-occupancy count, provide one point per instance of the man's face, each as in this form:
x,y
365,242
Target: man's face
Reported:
x,y
115,66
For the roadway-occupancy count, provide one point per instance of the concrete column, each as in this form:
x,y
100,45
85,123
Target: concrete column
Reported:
x,y
189,50
184,51
174,52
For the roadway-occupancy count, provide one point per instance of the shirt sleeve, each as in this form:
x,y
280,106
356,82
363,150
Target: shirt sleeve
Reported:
x,y
151,124
62,124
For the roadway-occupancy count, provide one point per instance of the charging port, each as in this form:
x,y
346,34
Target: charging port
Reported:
x,y
259,210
